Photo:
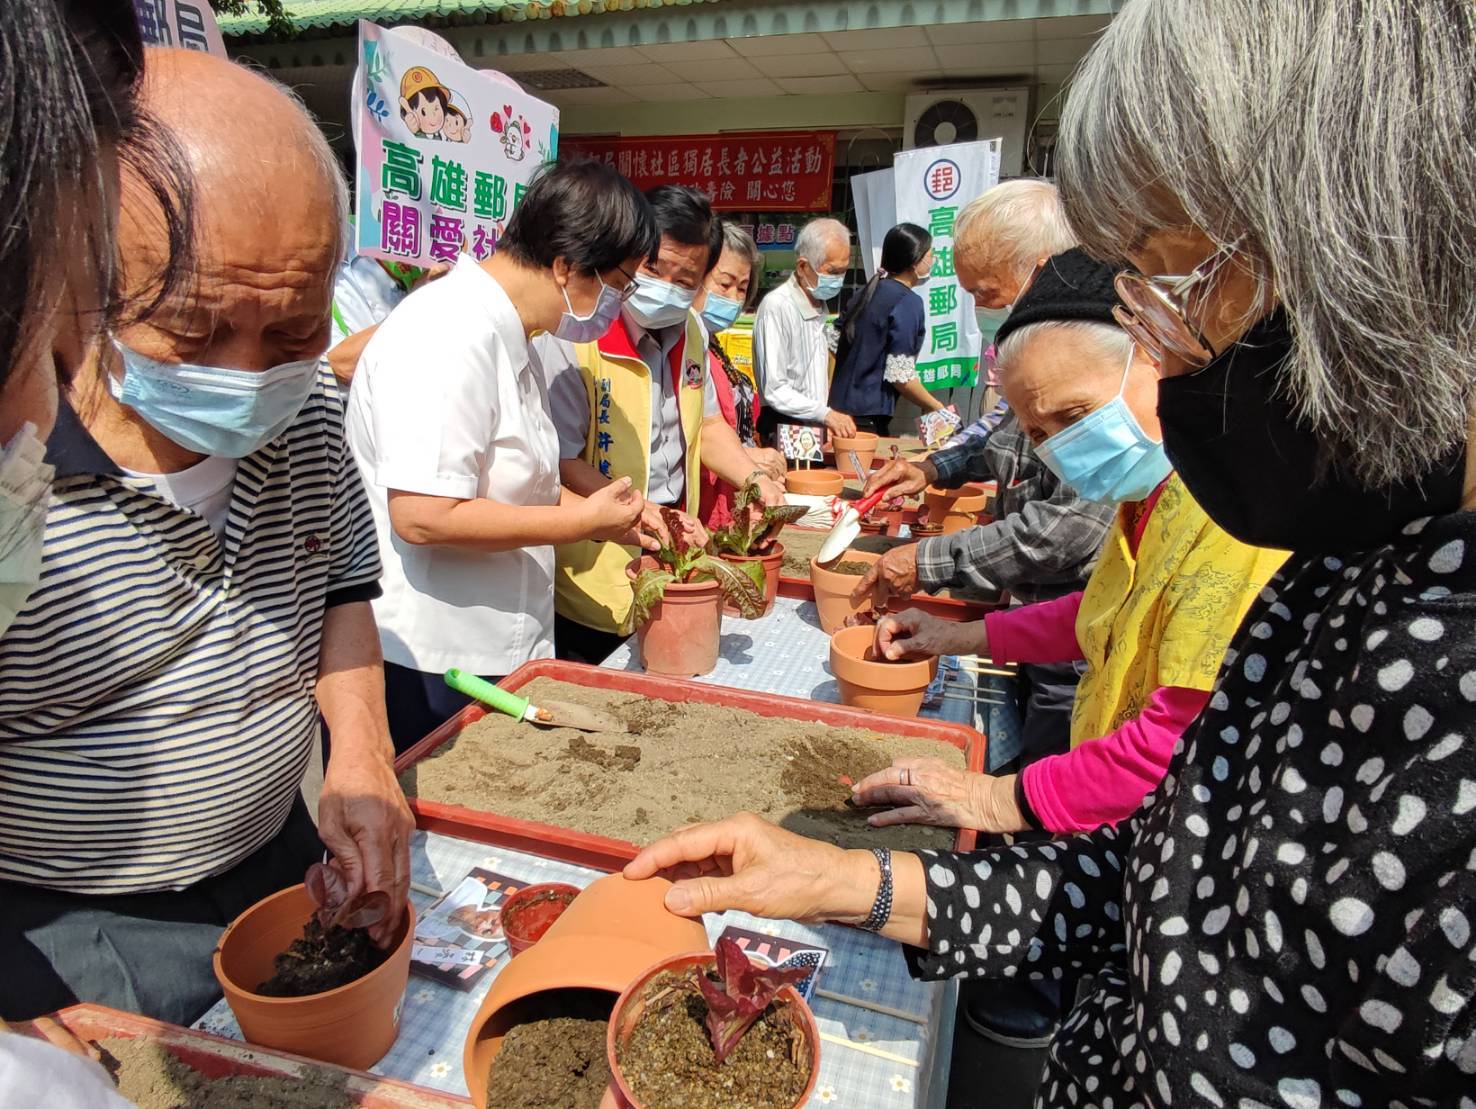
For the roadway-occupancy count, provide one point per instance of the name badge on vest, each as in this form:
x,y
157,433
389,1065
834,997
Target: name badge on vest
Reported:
x,y
692,375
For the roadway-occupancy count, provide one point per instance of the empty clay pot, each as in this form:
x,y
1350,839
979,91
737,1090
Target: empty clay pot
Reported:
x,y
814,483
681,637
773,560
955,509
609,934
632,1004
867,682
863,443
528,914
353,1025
833,591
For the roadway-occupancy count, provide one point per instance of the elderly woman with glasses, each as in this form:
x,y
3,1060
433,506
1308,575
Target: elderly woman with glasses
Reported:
x,y
1287,920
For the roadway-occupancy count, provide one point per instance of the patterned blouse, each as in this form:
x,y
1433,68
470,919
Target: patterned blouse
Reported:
x,y
1288,920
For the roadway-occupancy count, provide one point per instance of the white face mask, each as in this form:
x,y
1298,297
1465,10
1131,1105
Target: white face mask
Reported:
x,y
586,329
25,490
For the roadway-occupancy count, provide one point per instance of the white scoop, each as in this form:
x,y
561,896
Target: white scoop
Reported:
x,y
847,528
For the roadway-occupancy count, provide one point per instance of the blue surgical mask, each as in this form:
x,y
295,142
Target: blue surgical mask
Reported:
x,y
586,329
1106,456
719,312
656,303
990,320
829,284
215,411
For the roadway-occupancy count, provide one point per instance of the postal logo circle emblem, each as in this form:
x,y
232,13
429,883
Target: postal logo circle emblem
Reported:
x,y
942,179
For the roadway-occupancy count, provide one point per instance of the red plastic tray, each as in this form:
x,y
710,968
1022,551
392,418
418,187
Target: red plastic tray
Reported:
x,y
217,1057
600,852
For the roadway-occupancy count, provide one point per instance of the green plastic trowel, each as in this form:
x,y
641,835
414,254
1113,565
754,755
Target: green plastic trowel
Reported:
x,y
551,714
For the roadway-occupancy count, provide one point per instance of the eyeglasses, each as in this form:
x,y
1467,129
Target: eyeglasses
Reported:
x,y
1158,310
629,290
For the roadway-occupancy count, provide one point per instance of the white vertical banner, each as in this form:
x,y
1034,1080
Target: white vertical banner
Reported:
x,y
932,185
875,196
190,25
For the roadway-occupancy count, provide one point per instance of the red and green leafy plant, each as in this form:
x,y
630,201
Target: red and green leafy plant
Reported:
x,y
752,523
740,994
686,563
328,888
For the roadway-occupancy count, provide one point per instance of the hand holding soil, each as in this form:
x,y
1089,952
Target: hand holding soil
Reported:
x,y
916,634
927,791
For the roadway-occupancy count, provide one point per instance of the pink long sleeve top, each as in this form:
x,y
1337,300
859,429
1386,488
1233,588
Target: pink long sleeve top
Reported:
x,y
1105,780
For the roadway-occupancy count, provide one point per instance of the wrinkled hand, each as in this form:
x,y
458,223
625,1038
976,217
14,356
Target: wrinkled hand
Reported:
x,y
769,461
838,423
917,634
899,478
611,512
364,820
747,863
892,575
929,791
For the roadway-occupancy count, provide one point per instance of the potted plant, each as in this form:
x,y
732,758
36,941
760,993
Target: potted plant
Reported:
x,y
301,974
714,1030
877,684
678,594
738,542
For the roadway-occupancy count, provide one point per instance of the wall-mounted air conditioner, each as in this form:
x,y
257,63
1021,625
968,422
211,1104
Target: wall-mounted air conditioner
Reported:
x,y
943,116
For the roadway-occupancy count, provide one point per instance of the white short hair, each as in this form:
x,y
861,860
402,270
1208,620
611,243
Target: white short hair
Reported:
x,y
816,236
1106,340
1014,225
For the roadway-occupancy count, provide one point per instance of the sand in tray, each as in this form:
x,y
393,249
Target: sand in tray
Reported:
x,y
680,763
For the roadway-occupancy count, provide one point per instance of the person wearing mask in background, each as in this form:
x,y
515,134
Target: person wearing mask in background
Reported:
x,y
637,403
1151,626
725,292
451,431
791,351
881,332
210,559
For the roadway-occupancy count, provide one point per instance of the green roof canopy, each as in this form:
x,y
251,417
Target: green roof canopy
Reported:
x,y
322,15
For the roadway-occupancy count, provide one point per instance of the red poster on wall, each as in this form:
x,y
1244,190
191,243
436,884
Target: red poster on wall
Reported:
x,y
767,171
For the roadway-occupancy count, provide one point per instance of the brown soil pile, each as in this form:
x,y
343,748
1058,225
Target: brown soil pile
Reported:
x,y
321,961
152,1078
850,567
559,1062
801,545
696,762
668,1062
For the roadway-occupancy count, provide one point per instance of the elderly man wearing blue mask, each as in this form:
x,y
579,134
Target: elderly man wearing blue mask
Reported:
x,y
209,562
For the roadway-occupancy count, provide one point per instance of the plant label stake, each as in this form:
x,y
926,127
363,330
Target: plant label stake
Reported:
x,y
847,528
551,714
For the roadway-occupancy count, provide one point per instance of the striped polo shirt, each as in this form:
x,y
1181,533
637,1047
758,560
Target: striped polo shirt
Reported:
x,y
156,692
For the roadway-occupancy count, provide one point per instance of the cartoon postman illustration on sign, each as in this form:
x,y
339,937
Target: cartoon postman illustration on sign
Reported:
x,y
427,108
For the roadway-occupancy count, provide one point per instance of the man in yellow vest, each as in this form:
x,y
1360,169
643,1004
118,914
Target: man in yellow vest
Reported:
x,y
637,403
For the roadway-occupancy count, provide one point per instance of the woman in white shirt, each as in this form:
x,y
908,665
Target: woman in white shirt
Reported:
x,y
448,421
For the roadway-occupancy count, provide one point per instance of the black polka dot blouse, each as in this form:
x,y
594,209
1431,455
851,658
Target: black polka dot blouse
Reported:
x,y
1288,920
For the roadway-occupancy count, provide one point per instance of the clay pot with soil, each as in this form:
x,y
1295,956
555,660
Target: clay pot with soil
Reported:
x,y
752,538
530,913
834,582
814,483
716,1030
863,443
301,975
955,509
870,682
771,560
561,992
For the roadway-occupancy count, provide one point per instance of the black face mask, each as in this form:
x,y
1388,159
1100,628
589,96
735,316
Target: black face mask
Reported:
x,y
1231,434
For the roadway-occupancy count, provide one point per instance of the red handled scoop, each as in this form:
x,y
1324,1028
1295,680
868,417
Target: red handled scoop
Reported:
x,y
847,527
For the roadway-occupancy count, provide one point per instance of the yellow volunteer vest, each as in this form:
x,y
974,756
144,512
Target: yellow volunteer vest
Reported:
x,y
1164,617
590,586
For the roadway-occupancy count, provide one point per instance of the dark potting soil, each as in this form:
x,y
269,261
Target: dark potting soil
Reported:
x,y
152,1077
555,1062
321,961
668,1062
682,763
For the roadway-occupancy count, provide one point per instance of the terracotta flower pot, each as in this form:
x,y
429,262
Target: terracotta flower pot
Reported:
x,y
814,483
773,560
631,1005
528,914
867,682
607,936
353,1025
863,443
681,637
833,591
955,509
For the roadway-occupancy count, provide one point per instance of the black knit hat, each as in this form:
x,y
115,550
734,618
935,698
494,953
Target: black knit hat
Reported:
x,y
1071,286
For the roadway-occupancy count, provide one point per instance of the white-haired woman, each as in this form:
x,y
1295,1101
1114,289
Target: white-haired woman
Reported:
x,y
1288,920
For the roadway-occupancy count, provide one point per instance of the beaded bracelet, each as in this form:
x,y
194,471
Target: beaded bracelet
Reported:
x,y
881,908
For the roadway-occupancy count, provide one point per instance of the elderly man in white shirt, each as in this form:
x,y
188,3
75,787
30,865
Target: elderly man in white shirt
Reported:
x,y
790,350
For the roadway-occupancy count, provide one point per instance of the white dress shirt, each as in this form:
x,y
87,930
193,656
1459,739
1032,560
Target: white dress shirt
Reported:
x,y
448,402
790,355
